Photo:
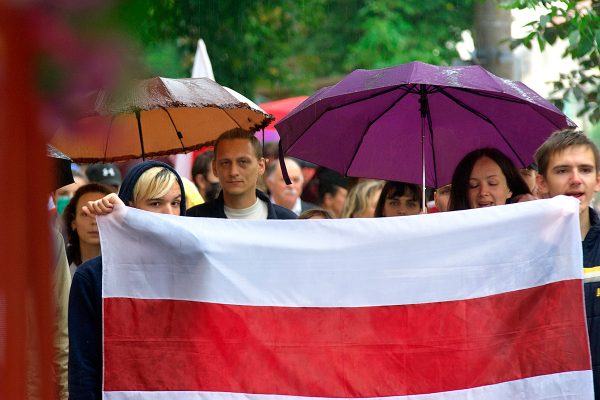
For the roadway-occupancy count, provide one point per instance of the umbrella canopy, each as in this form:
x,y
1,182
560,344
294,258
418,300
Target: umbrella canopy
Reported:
x,y
156,117
417,119
62,167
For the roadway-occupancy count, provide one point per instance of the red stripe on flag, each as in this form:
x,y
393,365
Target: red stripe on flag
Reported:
x,y
162,345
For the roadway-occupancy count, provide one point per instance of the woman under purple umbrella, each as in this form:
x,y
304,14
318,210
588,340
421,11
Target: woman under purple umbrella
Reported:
x,y
486,177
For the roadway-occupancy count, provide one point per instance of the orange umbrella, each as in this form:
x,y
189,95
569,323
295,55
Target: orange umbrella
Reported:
x,y
156,117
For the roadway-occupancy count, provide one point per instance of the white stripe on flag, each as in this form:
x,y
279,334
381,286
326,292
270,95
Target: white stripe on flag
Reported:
x,y
331,263
576,385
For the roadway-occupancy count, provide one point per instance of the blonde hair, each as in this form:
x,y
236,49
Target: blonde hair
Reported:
x,y
358,197
154,183
192,195
315,213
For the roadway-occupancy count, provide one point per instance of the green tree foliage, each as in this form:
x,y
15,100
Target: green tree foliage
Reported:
x,y
578,22
310,44
395,32
286,47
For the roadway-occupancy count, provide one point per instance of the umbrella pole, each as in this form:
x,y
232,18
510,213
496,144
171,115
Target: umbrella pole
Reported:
x,y
424,200
423,187
139,124
424,105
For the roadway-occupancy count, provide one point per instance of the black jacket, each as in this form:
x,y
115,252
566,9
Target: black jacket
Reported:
x,y
216,209
591,259
305,206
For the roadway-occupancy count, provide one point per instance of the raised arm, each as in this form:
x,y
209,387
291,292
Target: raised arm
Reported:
x,y
102,206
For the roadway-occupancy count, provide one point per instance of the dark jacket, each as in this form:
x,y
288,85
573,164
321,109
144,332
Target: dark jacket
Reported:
x,y
85,308
591,259
85,332
216,209
305,206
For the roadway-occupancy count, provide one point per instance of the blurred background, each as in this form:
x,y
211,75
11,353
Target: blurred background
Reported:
x,y
275,49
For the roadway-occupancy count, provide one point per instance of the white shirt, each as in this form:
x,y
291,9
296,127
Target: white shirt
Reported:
x,y
297,208
257,211
72,269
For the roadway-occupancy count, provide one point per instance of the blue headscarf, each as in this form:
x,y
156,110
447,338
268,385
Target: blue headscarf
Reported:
x,y
126,190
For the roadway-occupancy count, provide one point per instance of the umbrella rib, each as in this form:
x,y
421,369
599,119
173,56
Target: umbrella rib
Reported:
x,y
362,137
403,86
179,134
483,117
112,118
491,95
140,133
231,118
518,101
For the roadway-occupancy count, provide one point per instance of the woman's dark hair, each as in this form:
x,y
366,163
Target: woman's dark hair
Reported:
x,y
459,194
73,250
398,189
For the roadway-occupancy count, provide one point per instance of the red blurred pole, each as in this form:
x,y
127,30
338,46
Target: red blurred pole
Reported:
x,y
25,175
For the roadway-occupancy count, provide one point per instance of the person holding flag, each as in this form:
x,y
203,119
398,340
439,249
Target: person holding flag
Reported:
x,y
568,163
152,186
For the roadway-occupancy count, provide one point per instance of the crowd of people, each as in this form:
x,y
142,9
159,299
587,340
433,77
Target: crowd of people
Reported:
x,y
235,181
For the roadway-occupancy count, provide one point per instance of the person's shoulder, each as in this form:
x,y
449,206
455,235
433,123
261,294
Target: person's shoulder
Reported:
x,y
594,218
275,211
202,210
594,233
89,270
305,205
591,242
282,212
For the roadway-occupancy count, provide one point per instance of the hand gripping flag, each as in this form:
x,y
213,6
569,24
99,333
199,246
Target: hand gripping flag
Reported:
x,y
477,304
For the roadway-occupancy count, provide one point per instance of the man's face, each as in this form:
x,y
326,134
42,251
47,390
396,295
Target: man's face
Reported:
x,y
571,172
237,167
529,176
208,185
286,195
335,203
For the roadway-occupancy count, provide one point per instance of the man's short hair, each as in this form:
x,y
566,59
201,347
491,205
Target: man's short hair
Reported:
x,y
558,142
329,183
202,163
274,164
239,133
271,167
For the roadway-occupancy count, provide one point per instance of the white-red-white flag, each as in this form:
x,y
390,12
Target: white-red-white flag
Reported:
x,y
477,304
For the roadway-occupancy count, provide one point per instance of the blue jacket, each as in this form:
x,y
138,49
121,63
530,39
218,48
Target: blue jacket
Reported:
x,y
591,259
85,308
216,209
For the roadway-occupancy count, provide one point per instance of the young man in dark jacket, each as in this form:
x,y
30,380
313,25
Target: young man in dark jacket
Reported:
x,y
568,164
238,163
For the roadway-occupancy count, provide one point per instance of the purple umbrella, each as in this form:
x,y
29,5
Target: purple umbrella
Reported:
x,y
414,122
